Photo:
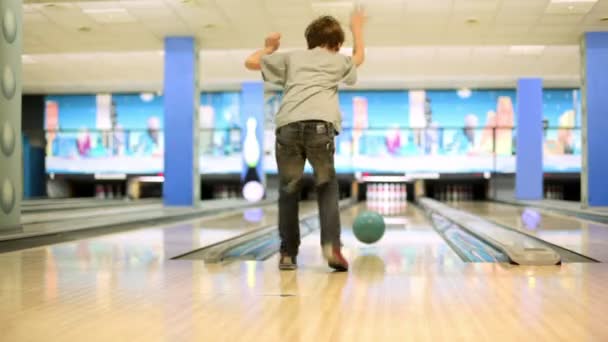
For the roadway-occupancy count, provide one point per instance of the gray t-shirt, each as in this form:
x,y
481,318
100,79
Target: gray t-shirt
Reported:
x,y
310,81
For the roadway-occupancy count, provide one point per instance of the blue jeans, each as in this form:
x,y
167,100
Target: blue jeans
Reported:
x,y
295,143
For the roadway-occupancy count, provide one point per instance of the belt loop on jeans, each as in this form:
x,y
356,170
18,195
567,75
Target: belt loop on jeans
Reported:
x,y
330,127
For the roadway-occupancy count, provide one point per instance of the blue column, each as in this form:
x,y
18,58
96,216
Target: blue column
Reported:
x,y
252,106
11,176
181,127
529,149
594,75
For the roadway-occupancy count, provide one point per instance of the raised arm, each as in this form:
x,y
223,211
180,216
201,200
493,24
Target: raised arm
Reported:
x,y
357,22
271,44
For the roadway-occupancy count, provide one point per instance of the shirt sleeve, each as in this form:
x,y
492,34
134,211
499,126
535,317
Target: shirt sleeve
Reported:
x,y
274,68
350,71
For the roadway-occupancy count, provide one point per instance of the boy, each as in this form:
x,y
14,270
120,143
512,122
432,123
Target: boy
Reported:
x,y
307,122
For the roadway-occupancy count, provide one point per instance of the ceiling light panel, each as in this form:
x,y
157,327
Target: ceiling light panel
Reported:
x,y
526,50
570,6
110,15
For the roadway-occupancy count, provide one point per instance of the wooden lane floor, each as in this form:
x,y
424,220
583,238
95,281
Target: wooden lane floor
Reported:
x,y
584,237
125,288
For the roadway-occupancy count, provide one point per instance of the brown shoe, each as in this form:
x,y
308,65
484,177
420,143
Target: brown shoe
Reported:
x,y
334,257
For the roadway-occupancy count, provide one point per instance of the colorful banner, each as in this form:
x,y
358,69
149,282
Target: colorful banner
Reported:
x,y
393,131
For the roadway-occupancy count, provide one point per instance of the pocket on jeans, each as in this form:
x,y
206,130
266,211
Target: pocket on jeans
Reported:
x,y
324,148
320,141
285,149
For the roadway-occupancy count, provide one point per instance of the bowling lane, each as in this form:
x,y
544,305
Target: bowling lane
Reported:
x,y
125,208
584,237
184,236
124,287
409,244
45,216
84,203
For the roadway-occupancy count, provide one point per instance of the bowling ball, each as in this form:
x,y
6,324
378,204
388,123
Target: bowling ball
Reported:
x,y
369,227
531,218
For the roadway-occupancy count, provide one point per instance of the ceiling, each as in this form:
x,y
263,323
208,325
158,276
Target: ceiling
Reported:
x,y
76,46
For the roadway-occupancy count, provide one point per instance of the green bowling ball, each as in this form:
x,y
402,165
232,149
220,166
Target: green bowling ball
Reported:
x,y
369,227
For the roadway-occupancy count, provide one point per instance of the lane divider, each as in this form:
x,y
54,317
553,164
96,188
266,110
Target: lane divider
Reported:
x,y
257,244
520,249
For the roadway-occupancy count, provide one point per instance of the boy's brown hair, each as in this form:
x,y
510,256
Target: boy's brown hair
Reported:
x,y
324,32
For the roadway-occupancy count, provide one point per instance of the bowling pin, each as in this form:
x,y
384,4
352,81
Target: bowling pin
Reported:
x,y
555,192
251,148
376,192
99,193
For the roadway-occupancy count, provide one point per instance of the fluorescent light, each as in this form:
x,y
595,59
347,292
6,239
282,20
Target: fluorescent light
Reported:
x,y
28,59
109,15
385,179
571,1
104,10
151,179
424,176
526,49
333,5
110,176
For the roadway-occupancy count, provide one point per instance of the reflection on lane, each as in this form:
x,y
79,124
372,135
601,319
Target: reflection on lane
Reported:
x,y
587,238
409,245
132,261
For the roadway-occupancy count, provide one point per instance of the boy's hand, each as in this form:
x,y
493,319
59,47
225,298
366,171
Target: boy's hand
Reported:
x,y
357,19
272,42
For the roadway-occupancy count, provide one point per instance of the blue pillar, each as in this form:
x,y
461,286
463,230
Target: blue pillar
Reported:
x,y
252,106
181,127
529,149
594,75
